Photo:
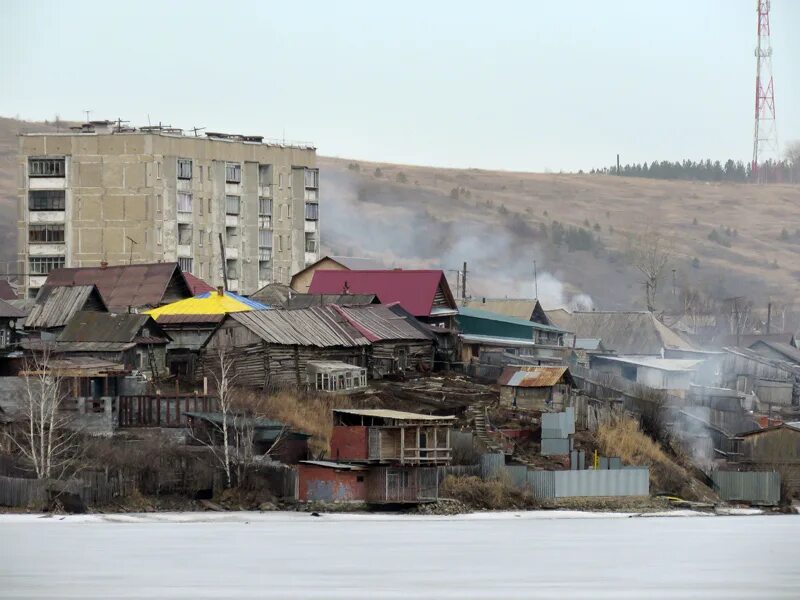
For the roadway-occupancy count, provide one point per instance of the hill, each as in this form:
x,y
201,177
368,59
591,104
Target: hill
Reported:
x,y
729,238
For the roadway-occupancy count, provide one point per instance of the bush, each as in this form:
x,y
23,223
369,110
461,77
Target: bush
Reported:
x,y
401,177
497,494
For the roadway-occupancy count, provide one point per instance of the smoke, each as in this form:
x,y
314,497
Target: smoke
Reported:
x,y
412,227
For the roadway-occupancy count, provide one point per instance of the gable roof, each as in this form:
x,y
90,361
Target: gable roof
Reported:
x,y
197,285
788,351
492,316
9,311
274,294
320,326
559,317
534,376
356,263
627,332
528,309
55,305
309,300
6,291
110,328
122,286
418,291
377,323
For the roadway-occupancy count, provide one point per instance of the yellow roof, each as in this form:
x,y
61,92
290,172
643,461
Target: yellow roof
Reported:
x,y
208,303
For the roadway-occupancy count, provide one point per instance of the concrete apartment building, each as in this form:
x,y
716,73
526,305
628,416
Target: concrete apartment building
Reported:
x,y
105,193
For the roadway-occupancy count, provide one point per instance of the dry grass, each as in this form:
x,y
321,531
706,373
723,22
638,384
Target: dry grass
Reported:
x,y
308,412
476,494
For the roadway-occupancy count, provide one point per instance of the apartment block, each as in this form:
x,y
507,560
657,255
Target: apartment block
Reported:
x,y
223,206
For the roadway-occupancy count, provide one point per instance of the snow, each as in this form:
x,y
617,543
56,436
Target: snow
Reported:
x,y
541,554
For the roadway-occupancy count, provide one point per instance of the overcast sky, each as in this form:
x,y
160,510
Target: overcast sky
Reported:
x,y
511,85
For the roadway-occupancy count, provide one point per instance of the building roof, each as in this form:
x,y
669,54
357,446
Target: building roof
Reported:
x,y
788,351
274,294
9,311
84,366
55,305
108,327
124,286
418,291
378,323
494,340
748,340
528,309
197,285
190,319
534,376
397,415
560,317
588,344
654,362
357,263
307,300
627,332
217,417
208,303
6,291
785,365
334,465
790,426
321,327
492,316
333,365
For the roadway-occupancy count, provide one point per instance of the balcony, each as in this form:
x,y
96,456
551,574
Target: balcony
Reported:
x,y
47,249
231,253
36,281
231,220
311,226
184,250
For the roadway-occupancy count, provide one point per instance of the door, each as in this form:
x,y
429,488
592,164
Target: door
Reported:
x,y
392,486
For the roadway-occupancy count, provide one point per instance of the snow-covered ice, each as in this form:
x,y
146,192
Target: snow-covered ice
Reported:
x,y
484,555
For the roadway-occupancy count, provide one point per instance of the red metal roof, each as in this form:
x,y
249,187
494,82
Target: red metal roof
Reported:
x,y
197,285
415,290
6,291
122,286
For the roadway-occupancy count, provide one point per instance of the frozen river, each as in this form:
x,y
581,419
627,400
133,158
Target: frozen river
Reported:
x,y
295,555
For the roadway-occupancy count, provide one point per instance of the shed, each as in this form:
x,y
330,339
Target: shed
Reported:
x,y
540,388
326,481
774,448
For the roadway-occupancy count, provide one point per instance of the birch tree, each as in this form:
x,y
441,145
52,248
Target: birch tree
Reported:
x,y
44,436
650,252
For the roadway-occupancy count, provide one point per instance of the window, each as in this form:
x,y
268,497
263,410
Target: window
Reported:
x,y
233,269
184,202
200,172
265,175
312,211
158,235
42,265
233,173
265,207
280,243
231,234
185,264
311,243
49,233
46,199
185,168
200,242
46,167
265,238
311,178
232,205
184,234
280,180
264,270
158,203
209,206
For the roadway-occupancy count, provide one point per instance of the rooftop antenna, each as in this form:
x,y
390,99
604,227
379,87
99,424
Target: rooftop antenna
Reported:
x,y
196,130
87,111
133,243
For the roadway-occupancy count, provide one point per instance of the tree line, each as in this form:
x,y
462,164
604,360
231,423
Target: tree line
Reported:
x,y
783,171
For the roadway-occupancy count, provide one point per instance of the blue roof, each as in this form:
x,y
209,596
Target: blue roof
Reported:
x,y
251,303
491,316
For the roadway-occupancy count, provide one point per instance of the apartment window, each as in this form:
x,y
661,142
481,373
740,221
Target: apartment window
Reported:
x,y
158,203
231,234
42,265
311,177
233,173
184,202
280,243
46,167
264,270
200,241
46,199
312,211
232,267
158,235
184,168
185,264
232,205
265,175
265,207
200,174
311,243
280,180
43,234
184,234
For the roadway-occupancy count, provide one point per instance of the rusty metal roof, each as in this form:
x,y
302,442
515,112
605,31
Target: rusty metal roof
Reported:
x,y
122,286
56,304
108,327
6,291
534,376
8,311
379,323
320,326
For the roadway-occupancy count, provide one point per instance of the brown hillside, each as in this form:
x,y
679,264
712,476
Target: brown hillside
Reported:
x,y
426,216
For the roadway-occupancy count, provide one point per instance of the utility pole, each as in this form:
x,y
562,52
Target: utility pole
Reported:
x,y
535,282
464,285
769,316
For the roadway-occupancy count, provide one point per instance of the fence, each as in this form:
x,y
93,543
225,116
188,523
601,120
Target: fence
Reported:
x,y
578,484
161,411
94,488
606,386
755,487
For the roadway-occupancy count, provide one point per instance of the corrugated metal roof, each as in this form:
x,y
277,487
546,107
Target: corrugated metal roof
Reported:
x,y
197,285
333,465
626,332
108,327
207,303
416,290
8,311
275,294
309,300
6,291
319,326
398,415
189,319
788,351
378,323
652,362
474,338
125,285
56,304
94,346
485,314
533,376
519,308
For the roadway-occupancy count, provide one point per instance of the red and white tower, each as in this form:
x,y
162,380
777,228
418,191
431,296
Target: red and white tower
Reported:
x,y
765,136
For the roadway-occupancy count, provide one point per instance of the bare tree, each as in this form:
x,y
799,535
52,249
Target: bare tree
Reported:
x,y
223,375
650,252
793,156
45,436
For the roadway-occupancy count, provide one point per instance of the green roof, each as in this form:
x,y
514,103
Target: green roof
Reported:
x,y
475,313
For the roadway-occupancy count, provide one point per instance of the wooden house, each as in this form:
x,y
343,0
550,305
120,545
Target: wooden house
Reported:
x,y
539,388
9,317
774,448
55,305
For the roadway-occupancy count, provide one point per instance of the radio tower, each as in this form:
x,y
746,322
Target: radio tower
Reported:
x,y
765,136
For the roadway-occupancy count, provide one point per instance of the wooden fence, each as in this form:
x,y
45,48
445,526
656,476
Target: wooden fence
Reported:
x,y
161,411
94,488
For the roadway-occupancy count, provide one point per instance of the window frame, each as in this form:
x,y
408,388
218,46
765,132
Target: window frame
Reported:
x,y
315,210
178,204
47,229
48,196
53,262
40,169
181,168
230,198
233,172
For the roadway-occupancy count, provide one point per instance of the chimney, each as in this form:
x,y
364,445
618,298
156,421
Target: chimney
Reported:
x,y
219,291
103,264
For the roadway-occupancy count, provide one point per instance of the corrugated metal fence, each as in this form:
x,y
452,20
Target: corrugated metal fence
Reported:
x,y
756,487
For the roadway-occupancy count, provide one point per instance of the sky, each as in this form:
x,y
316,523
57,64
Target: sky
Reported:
x,y
529,86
